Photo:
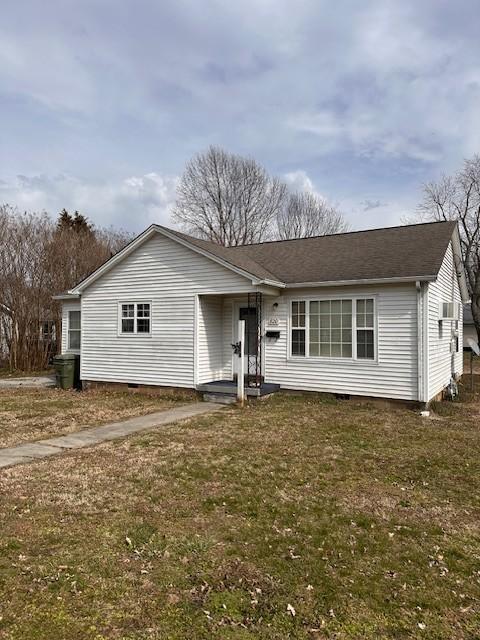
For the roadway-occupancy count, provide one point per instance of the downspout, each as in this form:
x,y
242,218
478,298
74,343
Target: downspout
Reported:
x,y
422,340
452,388
420,386
453,328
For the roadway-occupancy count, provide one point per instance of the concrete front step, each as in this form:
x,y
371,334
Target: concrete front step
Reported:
x,y
220,398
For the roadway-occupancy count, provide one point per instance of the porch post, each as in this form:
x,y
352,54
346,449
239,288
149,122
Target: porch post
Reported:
x,y
241,364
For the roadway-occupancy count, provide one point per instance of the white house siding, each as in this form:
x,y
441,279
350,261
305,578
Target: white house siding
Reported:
x,y
67,306
229,336
444,289
211,365
393,375
169,276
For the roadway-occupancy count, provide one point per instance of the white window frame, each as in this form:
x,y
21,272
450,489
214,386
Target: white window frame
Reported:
x,y
69,330
372,328
298,328
353,358
137,334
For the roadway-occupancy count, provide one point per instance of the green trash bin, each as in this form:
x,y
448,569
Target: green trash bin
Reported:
x,y
67,369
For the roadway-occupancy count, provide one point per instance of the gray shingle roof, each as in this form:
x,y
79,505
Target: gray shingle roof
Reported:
x,y
412,251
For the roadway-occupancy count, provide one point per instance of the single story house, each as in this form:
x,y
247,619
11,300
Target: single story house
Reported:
x,y
371,313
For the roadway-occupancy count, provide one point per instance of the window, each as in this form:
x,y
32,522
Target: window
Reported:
x,y
365,329
448,311
333,328
298,328
135,317
74,318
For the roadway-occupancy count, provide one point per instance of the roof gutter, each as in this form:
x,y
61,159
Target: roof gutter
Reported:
x,y
66,296
270,283
346,283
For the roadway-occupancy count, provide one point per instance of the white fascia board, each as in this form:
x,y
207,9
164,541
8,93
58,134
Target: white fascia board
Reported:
x,y
365,281
270,283
66,296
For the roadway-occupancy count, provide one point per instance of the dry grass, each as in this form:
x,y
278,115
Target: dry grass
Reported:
x,y
466,363
34,414
361,521
7,373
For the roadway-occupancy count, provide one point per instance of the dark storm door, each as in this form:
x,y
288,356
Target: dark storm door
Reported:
x,y
251,330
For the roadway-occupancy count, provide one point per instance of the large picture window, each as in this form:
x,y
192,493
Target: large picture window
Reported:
x,y
342,328
135,318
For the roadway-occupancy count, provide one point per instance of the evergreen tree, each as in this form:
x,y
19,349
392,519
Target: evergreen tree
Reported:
x,y
77,223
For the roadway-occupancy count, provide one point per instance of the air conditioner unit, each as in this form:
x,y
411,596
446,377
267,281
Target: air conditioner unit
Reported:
x,y
448,311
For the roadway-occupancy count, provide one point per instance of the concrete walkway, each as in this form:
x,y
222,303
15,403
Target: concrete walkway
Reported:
x,y
94,435
32,382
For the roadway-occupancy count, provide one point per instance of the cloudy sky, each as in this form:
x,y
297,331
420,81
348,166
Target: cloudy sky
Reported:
x,y
102,102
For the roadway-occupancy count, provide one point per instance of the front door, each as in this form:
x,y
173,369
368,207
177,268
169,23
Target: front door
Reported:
x,y
251,331
252,347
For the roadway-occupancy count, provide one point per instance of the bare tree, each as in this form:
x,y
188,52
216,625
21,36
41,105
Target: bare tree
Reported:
x,y
457,197
39,258
228,199
306,215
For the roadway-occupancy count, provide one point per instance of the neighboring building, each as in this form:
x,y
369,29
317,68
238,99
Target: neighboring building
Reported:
x,y
469,330
372,313
42,337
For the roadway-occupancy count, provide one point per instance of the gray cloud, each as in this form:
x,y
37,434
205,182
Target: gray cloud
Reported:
x,y
376,103
132,203
368,205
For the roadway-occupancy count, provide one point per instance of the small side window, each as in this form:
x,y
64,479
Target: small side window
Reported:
x,y
365,329
74,322
298,328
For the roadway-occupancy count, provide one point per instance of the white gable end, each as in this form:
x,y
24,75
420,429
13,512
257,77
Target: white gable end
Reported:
x,y
170,276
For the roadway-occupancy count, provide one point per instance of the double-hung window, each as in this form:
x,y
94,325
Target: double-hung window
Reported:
x,y
343,328
74,330
365,329
135,318
298,328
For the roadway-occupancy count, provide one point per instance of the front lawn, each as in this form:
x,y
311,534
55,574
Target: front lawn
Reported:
x,y
299,517
34,414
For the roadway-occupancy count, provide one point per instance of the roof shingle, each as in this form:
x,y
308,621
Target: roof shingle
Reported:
x,y
413,251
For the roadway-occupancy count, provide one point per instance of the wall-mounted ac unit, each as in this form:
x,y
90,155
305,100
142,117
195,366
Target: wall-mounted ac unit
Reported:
x,y
448,311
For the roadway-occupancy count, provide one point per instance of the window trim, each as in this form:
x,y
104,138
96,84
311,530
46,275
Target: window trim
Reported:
x,y
372,328
69,331
336,359
134,333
